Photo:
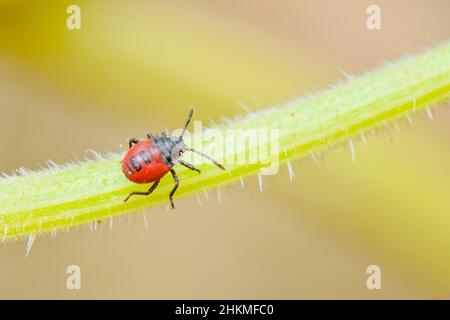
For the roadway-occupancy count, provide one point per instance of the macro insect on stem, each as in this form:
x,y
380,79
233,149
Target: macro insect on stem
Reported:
x,y
151,159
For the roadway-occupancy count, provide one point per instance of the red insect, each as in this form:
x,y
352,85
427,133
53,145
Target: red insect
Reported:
x,y
150,159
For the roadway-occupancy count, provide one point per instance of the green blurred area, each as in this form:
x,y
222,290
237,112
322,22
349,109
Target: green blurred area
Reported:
x,y
136,66
135,57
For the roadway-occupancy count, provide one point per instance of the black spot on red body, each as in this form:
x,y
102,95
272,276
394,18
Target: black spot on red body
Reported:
x,y
135,163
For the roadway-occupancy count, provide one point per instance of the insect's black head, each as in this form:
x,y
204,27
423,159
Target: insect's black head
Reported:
x,y
178,148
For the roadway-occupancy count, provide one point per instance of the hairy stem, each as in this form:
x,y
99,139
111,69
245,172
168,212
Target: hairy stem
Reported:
x,y
61,197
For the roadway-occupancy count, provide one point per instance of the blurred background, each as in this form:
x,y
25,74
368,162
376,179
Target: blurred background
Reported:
x,y
136,66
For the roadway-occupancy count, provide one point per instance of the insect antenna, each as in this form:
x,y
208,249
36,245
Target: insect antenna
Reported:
x,y
207,157
188,119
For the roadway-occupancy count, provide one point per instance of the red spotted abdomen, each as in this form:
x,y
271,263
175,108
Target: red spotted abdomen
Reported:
x,y
143,163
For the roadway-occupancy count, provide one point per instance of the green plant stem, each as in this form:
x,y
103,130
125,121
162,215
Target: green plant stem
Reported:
x,y
62,197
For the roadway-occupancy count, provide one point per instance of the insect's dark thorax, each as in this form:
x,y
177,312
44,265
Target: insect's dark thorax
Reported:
x,y
165,146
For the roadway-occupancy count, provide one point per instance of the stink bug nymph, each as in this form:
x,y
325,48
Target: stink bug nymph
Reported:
x,y
151,159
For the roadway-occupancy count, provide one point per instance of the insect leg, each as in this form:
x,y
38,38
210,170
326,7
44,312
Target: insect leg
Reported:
x,y
141,193
177,182
188,165
132,141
